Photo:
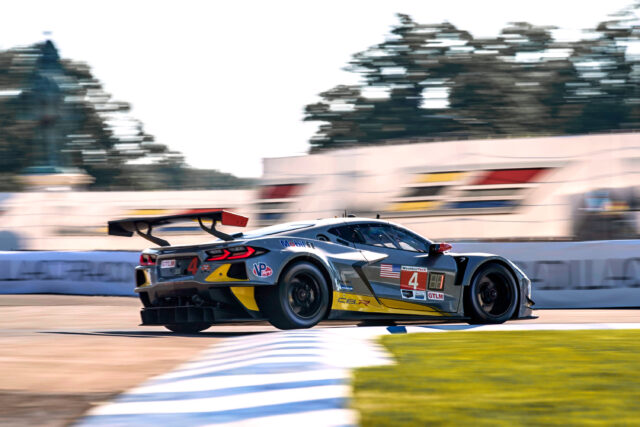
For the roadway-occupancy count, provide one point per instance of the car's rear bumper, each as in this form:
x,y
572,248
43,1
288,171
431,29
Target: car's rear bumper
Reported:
x,y
159,316
191,302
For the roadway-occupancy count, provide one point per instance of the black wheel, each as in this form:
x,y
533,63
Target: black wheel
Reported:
x,y
492,296
188,328
299,300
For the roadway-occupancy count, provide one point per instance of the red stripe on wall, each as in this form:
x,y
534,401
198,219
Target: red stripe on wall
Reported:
x,y
509,176
279,191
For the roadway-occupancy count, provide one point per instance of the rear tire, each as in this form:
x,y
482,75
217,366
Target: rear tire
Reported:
x,y
188,328
492,296
299,300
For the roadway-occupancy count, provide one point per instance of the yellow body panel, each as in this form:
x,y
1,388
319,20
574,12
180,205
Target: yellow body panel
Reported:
x,y
147,279
352,302
220,275
401,305
246,295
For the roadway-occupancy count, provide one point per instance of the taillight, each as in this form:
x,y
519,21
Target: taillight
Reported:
x,y
217,255
146,259
234,252
241,252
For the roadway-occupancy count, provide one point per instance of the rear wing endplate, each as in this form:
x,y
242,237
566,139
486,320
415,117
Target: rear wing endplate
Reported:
x,y
143,226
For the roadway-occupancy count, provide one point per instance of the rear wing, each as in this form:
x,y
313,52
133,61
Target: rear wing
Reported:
x,y
144,225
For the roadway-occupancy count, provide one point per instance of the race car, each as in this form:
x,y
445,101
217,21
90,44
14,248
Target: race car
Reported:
x,y
297,274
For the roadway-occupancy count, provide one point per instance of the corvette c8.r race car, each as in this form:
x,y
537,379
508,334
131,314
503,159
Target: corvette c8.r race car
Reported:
x,y
299,273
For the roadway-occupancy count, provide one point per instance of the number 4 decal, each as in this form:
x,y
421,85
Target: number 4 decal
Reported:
x,y
193,266
413,278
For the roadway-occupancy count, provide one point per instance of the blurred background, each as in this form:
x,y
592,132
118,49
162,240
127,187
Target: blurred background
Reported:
x,y
460,121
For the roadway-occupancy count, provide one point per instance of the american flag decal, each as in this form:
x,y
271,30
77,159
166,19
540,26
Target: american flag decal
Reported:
x,y
390,270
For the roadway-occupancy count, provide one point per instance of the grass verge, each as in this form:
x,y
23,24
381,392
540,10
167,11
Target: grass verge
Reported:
x,y
504,379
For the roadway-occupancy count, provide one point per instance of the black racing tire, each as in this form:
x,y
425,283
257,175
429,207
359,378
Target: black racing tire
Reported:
x,y
299,300
188,328
492,296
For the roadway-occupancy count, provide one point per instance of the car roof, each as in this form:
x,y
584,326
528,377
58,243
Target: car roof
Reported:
x,y
295,227
342,220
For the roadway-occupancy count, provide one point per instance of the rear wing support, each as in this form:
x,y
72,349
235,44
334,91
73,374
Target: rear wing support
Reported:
x,y
143,226
147,235
212,230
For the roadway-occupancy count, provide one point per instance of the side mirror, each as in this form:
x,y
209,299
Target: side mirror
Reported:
x,y
439,248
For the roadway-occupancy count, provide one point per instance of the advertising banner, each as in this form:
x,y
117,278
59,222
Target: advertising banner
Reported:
x,y
79,273
592,274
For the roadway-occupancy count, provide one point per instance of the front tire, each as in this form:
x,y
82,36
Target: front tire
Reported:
x,y
492,296
188,328
299,300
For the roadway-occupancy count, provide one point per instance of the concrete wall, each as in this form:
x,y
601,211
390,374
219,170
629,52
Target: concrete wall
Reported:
x,y
66,220
373,179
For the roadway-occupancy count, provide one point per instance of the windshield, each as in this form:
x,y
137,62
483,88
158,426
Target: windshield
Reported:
x,y
275,229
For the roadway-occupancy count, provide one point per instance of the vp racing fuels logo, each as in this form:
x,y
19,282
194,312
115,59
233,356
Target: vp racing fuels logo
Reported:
x,y
260,269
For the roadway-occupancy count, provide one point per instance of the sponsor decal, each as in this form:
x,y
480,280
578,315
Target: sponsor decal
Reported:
x,y
205,267
413,278
436,296
412,268
353,301
390,270
296,244
413,283
261,269
168,263
413,295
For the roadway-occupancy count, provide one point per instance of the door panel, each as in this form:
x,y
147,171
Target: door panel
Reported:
x,y
414,277
407,275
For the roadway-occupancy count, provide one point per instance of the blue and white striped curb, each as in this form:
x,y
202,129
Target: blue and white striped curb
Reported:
x,y
283,378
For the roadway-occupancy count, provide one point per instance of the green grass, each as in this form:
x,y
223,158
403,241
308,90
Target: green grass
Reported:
x,y
504,379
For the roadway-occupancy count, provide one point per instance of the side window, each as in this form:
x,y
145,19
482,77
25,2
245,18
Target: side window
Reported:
x,y
375,235
346,232
407,241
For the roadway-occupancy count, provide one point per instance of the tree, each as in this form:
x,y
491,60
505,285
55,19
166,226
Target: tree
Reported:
x,y
54,112
522,82
399,71
514,84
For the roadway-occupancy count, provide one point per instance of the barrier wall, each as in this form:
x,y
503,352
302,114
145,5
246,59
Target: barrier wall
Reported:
x,y
77,273
598,274
595,274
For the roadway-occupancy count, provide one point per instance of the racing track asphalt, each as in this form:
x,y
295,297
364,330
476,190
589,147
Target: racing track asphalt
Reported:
x,y
61,356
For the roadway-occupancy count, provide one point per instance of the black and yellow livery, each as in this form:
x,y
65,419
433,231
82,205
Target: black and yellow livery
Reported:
x,y
297,274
